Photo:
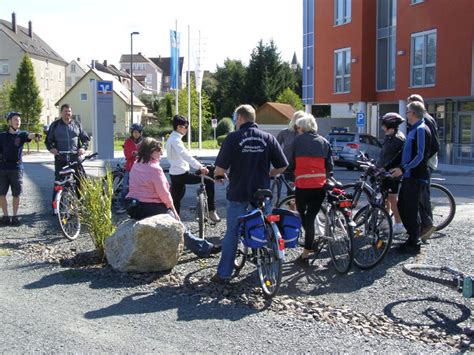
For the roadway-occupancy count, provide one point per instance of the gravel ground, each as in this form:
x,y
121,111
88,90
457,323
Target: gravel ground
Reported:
x,y
56,296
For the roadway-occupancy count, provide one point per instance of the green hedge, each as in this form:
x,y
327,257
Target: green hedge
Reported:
x,y
157,132
221,139
224,127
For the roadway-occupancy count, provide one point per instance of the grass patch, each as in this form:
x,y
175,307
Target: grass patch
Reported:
x,y
5,252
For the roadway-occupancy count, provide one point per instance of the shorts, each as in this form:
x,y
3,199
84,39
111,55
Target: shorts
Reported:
x,y
13,179
390,185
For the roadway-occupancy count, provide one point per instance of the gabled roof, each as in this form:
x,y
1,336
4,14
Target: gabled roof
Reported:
x,y
121,91
164,64
32,45
285,109
139,58
81,65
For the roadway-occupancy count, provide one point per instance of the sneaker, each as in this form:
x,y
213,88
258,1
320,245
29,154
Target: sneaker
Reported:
x,y
216,249
5,221
304,262
426,233
214,217
219,280
398,228
121,210
15,221
409,248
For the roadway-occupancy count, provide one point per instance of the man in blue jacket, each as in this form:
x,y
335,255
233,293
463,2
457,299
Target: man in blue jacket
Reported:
x,y
414,168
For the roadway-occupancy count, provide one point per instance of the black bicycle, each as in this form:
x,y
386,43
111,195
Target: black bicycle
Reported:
x,y
117,185
260,242
202,207
276,187
65,204
443,275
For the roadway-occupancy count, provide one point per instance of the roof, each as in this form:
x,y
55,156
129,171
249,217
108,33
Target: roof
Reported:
x,y
118,87
139,58
81,65
164,64
285,109
35,46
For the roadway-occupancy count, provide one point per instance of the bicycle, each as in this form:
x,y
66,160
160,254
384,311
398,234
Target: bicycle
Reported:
x,y
443,275
117,184
65,199
278,182
260,242
335,226
202,208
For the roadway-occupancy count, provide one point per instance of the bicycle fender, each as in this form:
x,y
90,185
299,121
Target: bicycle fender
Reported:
x,y
467,290
276,232
352,223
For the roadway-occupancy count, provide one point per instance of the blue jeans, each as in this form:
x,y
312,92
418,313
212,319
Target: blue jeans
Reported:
x,y
124,192
231,239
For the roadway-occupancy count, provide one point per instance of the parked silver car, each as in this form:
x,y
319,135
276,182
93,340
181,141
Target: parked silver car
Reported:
x,y
347,146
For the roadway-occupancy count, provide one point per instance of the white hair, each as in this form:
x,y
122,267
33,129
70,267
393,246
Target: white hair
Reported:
x,y
307,123
297,115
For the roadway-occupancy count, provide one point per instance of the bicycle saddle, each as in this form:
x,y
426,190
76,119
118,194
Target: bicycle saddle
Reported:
x,y
262,193
331,184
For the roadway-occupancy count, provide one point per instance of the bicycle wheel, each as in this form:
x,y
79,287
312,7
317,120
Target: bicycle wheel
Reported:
x,y
117,185
240,256
201,215
276,191
443,206
432,273
340,241
360,197
372,236
67,212
269,266
288,202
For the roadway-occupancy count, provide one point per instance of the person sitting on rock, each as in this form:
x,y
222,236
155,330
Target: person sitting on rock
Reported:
x,y
149,194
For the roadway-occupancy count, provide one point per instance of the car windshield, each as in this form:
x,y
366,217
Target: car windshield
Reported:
x,y
343,138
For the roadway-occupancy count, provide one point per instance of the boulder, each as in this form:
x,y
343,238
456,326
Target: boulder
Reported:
x,y
151,244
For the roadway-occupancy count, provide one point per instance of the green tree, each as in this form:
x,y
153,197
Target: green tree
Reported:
x,y
267,75
230,88
25,96
5,105
150,101
289,97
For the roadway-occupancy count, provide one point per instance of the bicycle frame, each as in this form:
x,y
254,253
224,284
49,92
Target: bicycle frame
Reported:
x,y
280,180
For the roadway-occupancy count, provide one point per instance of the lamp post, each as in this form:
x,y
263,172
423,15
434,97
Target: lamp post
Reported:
x,y
131,75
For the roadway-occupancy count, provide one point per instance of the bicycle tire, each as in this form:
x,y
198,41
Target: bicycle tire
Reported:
x,y
438,206
361,200
68,216
269,266
430,273
240,256
117,185
347,242
201,215
289,202
276,191
373,236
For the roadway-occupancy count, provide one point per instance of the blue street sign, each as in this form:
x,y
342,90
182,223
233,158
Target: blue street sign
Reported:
x,y
360,120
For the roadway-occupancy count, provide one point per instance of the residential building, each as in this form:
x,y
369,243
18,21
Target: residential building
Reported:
x,y
74,71
145,71
49,66
272,117
165,64
80,99
369,56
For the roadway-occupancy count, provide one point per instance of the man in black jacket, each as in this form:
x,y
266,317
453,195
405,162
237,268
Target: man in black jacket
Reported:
x,y
426,214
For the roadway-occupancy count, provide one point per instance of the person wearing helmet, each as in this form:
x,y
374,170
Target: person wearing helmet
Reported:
x,y
11,165
180,163
130,149
391,157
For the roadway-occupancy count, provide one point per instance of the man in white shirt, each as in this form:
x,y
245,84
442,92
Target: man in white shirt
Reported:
x,y
180,163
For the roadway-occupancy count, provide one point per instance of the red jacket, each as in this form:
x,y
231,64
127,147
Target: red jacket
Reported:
x,y
130,149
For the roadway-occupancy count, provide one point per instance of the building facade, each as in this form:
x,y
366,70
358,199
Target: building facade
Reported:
x,y
75,70
145,71
49,66
368,56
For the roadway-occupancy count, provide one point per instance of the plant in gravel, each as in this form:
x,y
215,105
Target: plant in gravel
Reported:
x,y
95,209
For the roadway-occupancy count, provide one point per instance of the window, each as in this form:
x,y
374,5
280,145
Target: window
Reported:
x,y
73,68
83,96
60,77
68,81
308,52
342,12
423,58
138,66
386,44
414,2
47,84
4,67
342,70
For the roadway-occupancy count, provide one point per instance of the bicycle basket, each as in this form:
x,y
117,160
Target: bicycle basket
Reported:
x,y
289,226
251,227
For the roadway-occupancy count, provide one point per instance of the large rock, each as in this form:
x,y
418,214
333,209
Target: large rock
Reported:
x,y
152,244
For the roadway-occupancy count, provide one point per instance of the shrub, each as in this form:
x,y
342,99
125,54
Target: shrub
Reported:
x,y
95,209
221,139
224,127
156,131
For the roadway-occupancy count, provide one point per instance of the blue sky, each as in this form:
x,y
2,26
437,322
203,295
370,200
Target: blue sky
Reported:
x,y
94,29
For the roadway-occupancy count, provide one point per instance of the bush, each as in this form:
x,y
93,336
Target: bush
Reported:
x,y
95,209
221,139
156,131
224,127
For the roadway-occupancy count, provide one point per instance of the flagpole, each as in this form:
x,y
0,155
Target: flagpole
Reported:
x,y
189,87
177,69
200,109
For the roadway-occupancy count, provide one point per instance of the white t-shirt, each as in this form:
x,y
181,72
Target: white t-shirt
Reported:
x,y
178,156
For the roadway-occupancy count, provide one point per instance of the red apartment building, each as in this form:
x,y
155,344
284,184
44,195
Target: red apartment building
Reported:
x,y
373,54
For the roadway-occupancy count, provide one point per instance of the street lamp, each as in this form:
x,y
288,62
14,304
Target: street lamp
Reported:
x,y
131,75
